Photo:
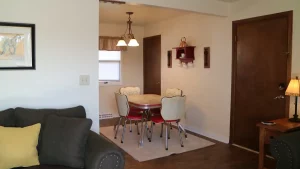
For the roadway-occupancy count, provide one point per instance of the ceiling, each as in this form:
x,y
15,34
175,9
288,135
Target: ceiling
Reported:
x,y
143,15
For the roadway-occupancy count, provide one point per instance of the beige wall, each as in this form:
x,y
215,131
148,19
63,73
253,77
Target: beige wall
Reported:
x,y
132,67
207,90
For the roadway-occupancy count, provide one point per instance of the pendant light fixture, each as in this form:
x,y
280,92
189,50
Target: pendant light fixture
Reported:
x,y
132,41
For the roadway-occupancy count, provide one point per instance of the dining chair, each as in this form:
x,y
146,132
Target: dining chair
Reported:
x,y
171,92
131,91
172,110
127,114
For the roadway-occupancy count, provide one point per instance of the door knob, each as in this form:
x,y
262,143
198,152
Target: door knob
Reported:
x,y
158,83
279,97
281,86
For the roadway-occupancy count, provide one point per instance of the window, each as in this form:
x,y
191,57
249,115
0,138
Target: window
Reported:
x,y
110,67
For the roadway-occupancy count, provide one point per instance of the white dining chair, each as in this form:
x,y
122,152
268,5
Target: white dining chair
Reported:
x,y
131,91
127,114
172,110
171,92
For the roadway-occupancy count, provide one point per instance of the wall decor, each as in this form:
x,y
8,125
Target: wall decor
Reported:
x,y
17,46
183,42
207,57
185,55
169,59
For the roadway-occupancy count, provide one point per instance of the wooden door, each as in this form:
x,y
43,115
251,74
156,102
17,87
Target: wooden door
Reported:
x,y
261,72
152,65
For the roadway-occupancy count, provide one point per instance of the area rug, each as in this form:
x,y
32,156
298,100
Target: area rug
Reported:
x,y
155,148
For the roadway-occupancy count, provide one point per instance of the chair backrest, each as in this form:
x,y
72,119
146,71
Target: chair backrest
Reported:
x,y
173,108
122,104
130,91
171,92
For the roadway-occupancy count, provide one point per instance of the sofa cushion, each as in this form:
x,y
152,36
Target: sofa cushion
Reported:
x,y
26,117
64,140
18,146
7,118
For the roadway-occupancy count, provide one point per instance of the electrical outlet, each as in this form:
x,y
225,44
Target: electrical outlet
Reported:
x,y
84,80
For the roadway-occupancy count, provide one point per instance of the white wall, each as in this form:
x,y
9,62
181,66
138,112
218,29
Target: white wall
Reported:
x,y
66,47
132,66
207,90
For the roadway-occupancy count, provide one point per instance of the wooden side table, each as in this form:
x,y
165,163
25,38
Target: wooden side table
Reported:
x,y
267,132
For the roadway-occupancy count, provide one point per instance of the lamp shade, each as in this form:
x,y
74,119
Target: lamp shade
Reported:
x,y
133,42
121,42
293,88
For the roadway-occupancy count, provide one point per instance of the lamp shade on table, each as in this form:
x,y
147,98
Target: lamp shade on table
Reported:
x,y
293,88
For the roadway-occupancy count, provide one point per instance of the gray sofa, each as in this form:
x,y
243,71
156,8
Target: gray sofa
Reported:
x,y
286,150
100,153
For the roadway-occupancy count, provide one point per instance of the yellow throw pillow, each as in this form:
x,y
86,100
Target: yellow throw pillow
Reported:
x,y
18,146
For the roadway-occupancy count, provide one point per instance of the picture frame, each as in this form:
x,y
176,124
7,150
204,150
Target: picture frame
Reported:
x,y
17,46
169,59
207,57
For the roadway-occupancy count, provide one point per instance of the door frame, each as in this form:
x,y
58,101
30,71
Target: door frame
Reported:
x,y
235,24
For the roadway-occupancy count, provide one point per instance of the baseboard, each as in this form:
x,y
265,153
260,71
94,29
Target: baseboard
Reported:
x,y
253,151
206,134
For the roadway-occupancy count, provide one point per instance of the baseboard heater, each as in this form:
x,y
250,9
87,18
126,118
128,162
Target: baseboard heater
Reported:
x,y
105,116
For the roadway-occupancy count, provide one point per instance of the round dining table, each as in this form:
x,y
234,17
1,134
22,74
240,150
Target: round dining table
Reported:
x,y
145,102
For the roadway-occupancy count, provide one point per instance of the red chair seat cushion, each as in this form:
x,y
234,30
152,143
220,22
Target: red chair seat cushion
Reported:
x,y
155,112
135,116
159,119
135,110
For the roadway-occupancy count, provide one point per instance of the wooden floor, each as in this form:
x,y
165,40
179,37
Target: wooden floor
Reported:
x,y
220,156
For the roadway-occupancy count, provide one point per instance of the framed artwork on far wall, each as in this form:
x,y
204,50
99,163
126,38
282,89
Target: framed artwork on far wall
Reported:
x,y
17,46
169,59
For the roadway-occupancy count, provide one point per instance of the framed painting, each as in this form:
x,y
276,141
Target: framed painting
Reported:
x,y
17,46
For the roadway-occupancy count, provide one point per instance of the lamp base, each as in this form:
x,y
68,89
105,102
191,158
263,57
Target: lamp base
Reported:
x,y
296,120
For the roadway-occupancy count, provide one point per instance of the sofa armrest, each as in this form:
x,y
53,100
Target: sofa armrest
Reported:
x,y
286,150
102,154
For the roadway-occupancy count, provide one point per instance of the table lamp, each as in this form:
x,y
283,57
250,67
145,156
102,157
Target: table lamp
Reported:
x,y
294,90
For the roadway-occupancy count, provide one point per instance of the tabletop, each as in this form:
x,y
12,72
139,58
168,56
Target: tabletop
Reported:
x,y
145,101
282,125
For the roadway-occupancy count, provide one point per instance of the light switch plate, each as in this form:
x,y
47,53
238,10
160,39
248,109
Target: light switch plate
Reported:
x,y
84,80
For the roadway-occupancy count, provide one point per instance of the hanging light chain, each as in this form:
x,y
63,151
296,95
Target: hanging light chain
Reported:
x,y
129,22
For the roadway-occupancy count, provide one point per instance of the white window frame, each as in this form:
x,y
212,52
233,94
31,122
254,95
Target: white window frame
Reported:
x,y
110,82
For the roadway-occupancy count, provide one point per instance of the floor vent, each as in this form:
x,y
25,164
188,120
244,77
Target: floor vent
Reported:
x,y
105,116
